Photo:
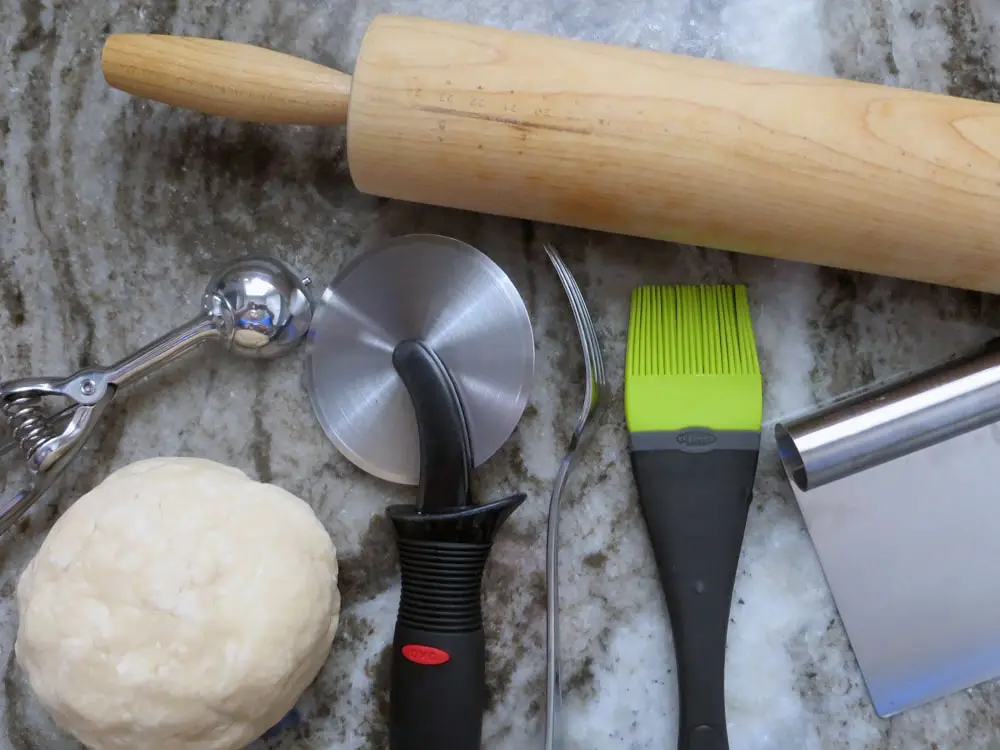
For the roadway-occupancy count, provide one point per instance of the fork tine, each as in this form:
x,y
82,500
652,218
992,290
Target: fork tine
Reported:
x,y
581,313
591,346
571,287
565,278
584,324
595,386
573,292
591,330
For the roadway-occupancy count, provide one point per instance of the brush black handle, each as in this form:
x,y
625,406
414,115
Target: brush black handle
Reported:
x,y
695,506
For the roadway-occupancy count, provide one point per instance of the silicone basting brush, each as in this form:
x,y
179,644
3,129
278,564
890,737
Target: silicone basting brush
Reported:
x,y
693,408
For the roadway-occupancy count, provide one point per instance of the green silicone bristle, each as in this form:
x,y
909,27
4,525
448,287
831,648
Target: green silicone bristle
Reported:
x,y
691,360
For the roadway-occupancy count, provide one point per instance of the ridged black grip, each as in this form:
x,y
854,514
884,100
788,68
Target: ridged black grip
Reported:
x,y
441,585
439,705
438,691
695,507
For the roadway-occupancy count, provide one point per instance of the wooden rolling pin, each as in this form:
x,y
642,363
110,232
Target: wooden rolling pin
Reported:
x,y
636,142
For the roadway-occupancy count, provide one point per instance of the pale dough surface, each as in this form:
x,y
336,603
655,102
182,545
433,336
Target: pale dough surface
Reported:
x,y
179,605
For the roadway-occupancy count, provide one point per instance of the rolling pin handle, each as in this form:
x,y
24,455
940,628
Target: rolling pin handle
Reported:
x,y
226,79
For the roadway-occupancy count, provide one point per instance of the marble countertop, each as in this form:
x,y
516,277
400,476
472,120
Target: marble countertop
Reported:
x,y
114,211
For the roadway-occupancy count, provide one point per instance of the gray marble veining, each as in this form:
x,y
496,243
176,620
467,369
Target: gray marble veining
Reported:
x,y
114,211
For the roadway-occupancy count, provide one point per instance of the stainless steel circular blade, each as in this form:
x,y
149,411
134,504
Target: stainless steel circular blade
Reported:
x,y
462,305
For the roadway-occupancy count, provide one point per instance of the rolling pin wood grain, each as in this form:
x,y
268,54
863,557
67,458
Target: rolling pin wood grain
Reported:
x,y
637,142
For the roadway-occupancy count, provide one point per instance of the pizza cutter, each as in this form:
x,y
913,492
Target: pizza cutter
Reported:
x,y
420,364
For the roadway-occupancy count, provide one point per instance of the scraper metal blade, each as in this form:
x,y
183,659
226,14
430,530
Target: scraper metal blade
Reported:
x,y
897,487
457,301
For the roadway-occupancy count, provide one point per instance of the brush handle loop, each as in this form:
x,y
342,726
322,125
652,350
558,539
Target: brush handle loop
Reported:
x,y
695,506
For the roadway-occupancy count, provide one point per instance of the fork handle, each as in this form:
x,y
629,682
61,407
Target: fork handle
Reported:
x,y
554,729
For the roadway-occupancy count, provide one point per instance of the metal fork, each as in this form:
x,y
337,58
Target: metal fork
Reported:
x,y
594,401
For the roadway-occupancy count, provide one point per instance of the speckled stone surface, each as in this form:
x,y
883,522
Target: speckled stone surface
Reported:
x,y
114,211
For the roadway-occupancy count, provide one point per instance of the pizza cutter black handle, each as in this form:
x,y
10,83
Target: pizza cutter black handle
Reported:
x,y
438,681
438,690
437,694
445,445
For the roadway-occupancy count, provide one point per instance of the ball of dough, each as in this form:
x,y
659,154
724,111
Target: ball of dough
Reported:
x,y
179,605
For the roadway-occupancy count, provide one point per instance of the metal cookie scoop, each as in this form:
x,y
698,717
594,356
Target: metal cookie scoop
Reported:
x,y
257,307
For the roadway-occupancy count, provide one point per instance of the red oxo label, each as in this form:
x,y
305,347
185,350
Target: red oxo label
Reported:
x,y
427,655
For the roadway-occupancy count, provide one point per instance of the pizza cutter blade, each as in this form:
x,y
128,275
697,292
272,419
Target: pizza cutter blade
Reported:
x,y
456,300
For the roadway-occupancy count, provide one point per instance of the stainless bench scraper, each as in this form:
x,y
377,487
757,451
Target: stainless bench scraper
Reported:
x,y
897,486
